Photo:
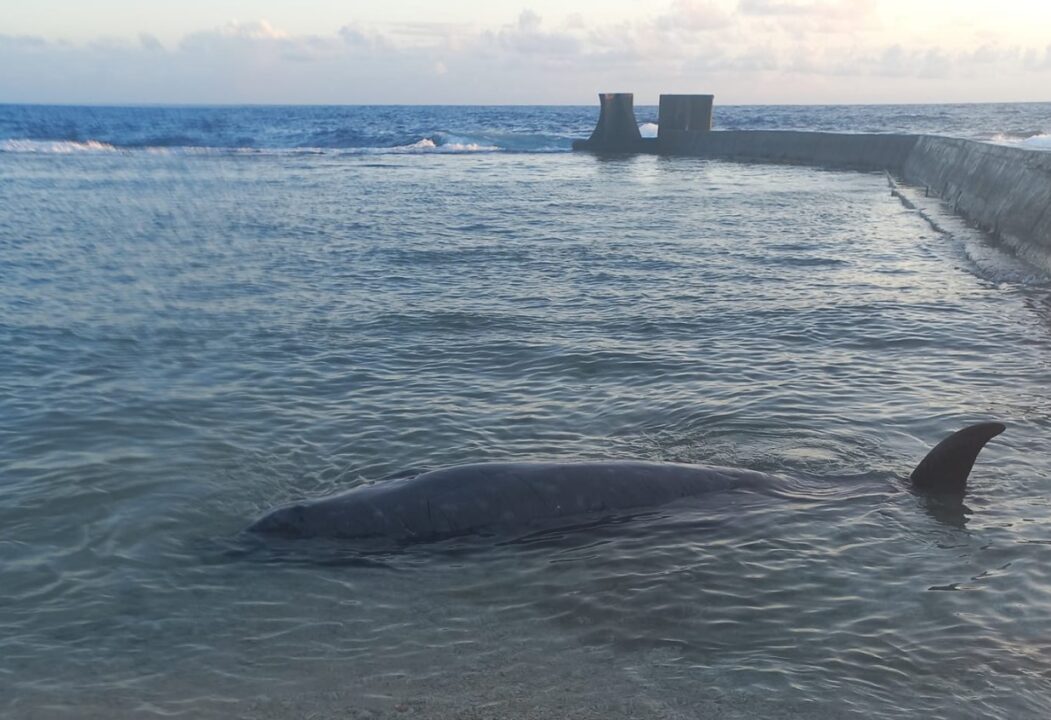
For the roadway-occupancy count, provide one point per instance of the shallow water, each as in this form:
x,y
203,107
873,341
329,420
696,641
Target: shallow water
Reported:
x,y
190,340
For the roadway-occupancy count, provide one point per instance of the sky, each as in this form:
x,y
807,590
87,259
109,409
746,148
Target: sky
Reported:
x,y
523,52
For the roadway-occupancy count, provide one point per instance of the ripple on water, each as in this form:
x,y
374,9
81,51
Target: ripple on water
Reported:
x,y
227,333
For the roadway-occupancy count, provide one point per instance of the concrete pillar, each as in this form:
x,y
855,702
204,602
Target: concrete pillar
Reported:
x,y
685,113
617,129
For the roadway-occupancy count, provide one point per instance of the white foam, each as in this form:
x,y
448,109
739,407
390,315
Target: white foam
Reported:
x,y
467,147
428,145
55,147
450,145
648,129
1038,142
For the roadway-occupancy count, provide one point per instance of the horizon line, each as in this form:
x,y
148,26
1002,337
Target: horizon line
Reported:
x,y
149,104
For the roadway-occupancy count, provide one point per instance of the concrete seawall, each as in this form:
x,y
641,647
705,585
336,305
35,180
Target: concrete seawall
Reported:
x,y
861,152
1003,190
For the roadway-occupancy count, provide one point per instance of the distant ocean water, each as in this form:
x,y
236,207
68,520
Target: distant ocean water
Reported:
x,y
415,129
205,312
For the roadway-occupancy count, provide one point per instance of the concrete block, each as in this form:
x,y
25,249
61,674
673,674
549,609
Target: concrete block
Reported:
x,y
617,129
685,113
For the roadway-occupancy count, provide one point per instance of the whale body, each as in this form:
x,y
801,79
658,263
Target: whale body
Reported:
x,y
506,497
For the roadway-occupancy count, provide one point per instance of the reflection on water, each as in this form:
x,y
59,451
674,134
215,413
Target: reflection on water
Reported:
x,y
191,340
947,509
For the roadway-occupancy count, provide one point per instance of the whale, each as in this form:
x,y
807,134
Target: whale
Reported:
x,y
506,497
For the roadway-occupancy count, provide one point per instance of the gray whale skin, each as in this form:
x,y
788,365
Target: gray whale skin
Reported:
x,y
503,497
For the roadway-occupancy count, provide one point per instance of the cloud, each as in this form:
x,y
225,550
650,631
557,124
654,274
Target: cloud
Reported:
x,y
1037,59
765,52
150,43
897,61
694,16
814,16
429,32
23,42
359,36
854,9
528,37
259,45
254,30
258,33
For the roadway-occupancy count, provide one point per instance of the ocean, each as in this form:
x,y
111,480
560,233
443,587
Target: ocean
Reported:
x,y
206,312
386,130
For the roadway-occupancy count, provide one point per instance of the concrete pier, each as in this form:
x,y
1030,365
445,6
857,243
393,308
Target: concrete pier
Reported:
x,y
617,129
1005,191
842,150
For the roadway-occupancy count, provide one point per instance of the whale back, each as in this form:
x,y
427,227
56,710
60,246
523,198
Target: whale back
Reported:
x,y
475,498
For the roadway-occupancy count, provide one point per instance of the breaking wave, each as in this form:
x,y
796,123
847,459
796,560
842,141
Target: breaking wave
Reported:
x,y
491,141
55,147
437,143
1038,142
1031,140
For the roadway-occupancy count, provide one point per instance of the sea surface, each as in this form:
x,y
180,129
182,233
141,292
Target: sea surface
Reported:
x,y
206,312
383,130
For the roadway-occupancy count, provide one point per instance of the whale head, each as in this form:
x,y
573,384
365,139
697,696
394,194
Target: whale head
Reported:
x,y
349,515
291,521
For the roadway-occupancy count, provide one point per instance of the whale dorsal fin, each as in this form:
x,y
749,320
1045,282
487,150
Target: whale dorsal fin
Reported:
x,y
946,467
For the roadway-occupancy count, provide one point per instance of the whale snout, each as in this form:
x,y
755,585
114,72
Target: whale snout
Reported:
x,y
287,522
